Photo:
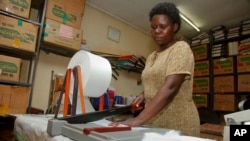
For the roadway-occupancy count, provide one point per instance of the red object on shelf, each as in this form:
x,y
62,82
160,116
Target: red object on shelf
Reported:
x,y
105,129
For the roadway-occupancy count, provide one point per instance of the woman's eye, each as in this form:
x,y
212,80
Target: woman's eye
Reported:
x,y
153,27
163,26
159,27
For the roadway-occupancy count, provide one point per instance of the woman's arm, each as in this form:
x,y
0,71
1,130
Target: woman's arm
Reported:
x,y
165,94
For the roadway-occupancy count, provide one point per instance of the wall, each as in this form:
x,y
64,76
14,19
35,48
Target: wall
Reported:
x,y
95,25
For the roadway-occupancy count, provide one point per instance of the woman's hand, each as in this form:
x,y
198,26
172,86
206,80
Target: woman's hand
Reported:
x,y
132,122
138,103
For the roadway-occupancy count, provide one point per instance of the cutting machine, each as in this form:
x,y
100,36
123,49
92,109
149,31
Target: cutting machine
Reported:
x,y
89,75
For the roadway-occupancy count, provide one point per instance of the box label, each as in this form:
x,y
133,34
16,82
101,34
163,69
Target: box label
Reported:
x,y
243,63
62,35
200,100
201,68
223,66
62,14
202,82
8,67
200,52
21,3
201,85
14,34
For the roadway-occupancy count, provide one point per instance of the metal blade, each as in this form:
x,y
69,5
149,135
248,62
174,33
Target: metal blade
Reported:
x,y
94,116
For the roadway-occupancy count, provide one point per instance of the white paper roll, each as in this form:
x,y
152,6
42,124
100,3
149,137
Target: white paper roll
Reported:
x,y
96,75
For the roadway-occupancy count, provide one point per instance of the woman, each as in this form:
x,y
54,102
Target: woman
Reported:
x,y
167,78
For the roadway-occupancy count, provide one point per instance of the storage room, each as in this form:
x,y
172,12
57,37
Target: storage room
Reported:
x,y
137,70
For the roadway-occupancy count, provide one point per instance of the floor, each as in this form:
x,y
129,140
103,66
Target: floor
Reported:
x,y
6,129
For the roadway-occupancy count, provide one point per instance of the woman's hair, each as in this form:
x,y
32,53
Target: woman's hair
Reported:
x,y
168,9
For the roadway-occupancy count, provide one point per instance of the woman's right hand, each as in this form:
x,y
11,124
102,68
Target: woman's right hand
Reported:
x,y
138,103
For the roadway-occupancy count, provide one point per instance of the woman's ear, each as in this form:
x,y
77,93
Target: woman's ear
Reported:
x,y
176,26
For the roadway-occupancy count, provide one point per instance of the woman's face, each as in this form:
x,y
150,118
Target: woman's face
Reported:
x,y
162,29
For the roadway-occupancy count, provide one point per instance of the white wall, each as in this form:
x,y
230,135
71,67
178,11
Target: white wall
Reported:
x,y
95,25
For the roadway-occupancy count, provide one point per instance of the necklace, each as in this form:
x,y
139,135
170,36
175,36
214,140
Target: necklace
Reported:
x,y
155,56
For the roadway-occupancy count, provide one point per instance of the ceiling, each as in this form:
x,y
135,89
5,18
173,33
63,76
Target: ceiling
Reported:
x,y
203,13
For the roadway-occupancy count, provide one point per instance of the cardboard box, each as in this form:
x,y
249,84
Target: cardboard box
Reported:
x,y
215,129
62,35
243,82
224,84
201,85
18,34
226,102
17,7
9,68
16,97
63,11
200,52
223,66
200,100
201,68
212,131
243,63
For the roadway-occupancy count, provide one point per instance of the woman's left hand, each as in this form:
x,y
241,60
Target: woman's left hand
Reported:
x,y
132,122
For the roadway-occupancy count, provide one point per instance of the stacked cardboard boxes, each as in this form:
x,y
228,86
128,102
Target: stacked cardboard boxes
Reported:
x,y
63,23
243,67
15,98
224,85
201,83
22,35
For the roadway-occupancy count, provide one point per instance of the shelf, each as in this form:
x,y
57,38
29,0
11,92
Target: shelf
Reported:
x,y
106,55
40,6
130,69
56,49
20,18
234,84
14,83
241,37
15,52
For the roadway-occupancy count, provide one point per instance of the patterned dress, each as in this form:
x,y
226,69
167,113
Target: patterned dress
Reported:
x,y
181,113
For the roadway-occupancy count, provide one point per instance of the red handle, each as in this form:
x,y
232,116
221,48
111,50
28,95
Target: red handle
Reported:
x,y
105,129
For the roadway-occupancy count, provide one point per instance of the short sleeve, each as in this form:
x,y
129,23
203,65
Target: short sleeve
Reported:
x,y
181,60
